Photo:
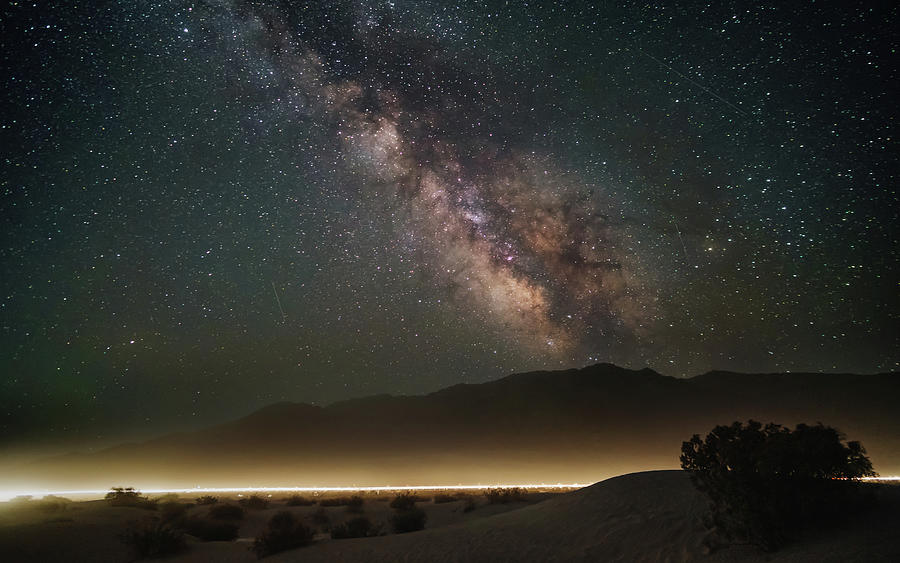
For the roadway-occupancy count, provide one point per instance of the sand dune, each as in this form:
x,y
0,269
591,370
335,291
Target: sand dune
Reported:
x,y
650,516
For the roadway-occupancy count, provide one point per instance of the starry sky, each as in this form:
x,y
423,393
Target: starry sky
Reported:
x,y
212,206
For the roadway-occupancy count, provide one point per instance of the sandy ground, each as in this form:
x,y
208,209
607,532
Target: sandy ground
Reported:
x,y
651,516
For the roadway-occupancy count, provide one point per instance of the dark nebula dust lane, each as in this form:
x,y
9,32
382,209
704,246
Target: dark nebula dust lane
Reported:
x,y
212,206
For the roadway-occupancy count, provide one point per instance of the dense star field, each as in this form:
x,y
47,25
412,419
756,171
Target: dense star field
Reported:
x,y
211,206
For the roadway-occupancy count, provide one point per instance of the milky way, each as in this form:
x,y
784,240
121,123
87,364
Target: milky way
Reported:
x,y
503,228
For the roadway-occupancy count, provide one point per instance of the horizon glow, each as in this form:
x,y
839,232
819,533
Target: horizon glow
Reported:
x,y
8,495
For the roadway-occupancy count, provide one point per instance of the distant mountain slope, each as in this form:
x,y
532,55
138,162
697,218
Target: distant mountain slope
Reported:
x,y
574,425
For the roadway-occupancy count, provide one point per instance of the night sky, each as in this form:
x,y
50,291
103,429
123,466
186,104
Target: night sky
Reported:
x,y
212,206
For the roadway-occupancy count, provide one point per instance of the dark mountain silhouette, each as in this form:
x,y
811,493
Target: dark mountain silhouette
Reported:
x,y
578,425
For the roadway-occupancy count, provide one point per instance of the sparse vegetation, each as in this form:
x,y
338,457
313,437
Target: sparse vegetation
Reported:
x,y
226,512
210,530
283,532
128,496
152,538
320,519
766,483
404,501
335,501
299,500
206,500
470,504
442,498
359,527
254,502
52,503
505,495
409,520
355,504
173,512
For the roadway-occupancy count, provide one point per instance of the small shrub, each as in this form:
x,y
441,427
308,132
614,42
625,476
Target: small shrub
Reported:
x,y
505,495
355,504
404,501
52,503
408,520
128,496
299,500
444,498
153,538
226,512
173,512
283,532
335,501
470,504
255,502
320,518
210,530
359,527
207,500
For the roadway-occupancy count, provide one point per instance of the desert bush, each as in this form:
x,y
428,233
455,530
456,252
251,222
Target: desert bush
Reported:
x,y
283,532
766,483
320,518
53,503
335,501
299,500
442,498
210,530
355,504
254,502
152,538
505,495
404,501
206,500
172,512
409,520
226,512
359,527
128,496
470,504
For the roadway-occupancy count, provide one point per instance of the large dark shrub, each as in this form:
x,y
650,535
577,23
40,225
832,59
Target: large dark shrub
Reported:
x,y
226,512
153,538
765,483
359,527
207,500
283,532
409,520
128,496
210,530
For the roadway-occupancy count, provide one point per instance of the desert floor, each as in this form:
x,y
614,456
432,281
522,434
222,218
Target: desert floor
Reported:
x,y
650,516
